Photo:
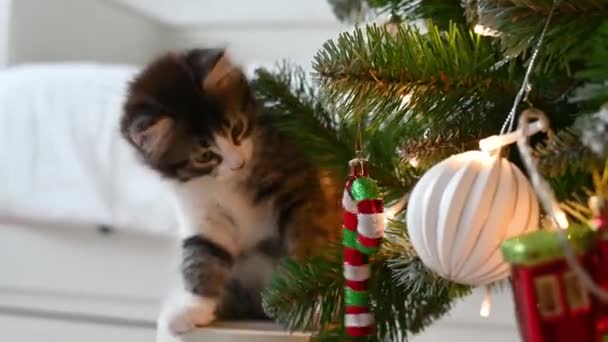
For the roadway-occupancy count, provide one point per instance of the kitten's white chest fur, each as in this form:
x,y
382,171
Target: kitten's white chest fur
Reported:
x,y
223,212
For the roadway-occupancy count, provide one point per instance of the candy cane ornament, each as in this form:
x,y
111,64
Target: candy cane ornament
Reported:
x,y
363,232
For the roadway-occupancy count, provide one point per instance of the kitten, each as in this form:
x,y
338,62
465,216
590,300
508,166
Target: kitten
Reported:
x,y
245,198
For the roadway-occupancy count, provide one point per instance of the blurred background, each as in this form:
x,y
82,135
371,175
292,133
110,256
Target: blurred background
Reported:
x,y
131,31
86,233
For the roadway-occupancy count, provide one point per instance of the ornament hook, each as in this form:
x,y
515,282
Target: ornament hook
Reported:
x,y
496,142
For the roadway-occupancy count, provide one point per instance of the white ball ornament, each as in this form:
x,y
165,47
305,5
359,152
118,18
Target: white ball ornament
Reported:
x,y
462,209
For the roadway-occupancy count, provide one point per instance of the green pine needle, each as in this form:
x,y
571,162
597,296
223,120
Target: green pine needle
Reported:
x,y
350,11
563,153
424,152
406,297
520,23
305,295
425,94
419,80
294,107
441,11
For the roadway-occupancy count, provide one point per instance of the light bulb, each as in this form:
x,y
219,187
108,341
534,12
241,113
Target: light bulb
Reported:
x,y
485,31
405,101
561,219
390,212
414,161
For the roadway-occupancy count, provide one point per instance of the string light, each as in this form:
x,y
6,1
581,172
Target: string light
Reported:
x,y
405,101
390,212
485,31
561,219
414,161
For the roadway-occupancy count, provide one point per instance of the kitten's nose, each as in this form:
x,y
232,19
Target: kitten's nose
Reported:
x,y
234,161
232,157
237,165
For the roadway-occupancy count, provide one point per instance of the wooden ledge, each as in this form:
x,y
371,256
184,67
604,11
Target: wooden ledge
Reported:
x,y
237,331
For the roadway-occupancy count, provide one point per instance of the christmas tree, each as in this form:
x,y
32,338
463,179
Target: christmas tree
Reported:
x,y
430,82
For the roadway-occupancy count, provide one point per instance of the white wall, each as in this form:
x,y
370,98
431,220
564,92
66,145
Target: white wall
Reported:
x,y
259,31
92,30
264,44
4,30
213,12
110,31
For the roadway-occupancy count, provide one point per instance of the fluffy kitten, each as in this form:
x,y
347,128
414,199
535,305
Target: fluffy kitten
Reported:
x,y
244,196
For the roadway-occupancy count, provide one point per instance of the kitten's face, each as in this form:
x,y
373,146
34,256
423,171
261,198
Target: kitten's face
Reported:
x,y
191,115
222,157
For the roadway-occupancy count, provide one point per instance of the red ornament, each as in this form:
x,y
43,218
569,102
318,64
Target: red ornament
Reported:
x,y
551,303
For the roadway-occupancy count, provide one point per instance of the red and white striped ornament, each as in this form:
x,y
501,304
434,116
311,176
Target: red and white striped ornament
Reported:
x,y
363,232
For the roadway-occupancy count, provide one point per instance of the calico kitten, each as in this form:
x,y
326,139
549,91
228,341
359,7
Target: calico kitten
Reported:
x,y
244,196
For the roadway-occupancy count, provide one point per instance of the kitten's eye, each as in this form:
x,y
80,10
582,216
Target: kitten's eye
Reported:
x,y
205,157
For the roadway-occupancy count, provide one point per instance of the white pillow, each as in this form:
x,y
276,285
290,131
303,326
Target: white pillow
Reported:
x,y
62,157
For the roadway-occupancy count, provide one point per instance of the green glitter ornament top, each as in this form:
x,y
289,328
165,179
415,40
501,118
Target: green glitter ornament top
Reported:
x,y
364,188
544,246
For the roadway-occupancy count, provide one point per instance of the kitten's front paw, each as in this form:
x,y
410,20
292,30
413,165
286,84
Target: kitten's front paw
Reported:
x,y
191,313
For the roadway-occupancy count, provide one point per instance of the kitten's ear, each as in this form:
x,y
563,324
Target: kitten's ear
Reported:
x,y
153,136
220,76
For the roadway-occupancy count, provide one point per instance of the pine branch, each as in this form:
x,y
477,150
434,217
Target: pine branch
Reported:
x,y
578,205
406,297
574,52
574,154
568,186
543,7
563,153
566,162
421,81
294,107
428,150
569,157
306,295
395,177
595,53
592,55
442,12
595,132
520,23
577,208
351,11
